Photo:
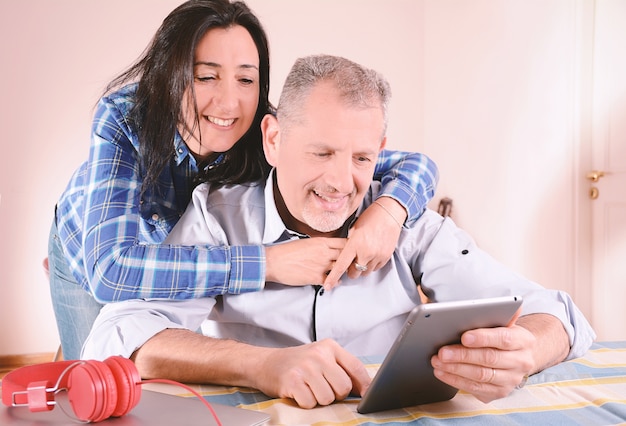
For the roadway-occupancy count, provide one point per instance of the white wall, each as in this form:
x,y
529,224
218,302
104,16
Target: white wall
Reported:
x,y
56,58
500,86
485,87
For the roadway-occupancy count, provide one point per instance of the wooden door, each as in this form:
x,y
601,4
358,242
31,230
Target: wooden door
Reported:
x,y
607,179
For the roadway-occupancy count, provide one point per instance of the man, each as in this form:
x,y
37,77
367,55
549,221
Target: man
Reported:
x,y
304,342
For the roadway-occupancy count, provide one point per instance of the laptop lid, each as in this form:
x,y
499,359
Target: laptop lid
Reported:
x,y
154,409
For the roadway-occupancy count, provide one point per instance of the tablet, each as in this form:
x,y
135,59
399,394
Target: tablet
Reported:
x,y
406,377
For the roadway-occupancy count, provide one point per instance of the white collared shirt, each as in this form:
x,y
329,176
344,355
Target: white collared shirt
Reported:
x,y
363,315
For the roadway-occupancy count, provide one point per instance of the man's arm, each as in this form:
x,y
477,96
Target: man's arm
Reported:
x,y
157,335
490,363
551,340
312,374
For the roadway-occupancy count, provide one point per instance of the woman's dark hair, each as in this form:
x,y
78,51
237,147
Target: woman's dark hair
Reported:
x,y
165,71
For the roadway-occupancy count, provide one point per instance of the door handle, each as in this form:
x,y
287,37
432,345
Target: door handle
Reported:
x,y
595,175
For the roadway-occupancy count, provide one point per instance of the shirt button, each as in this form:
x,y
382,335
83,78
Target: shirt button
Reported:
x,y
180,150
321,292
155,217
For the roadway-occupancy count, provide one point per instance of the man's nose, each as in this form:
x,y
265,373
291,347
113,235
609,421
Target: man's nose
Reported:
x,y
339,174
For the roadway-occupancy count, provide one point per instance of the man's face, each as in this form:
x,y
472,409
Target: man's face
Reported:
x,y
324,163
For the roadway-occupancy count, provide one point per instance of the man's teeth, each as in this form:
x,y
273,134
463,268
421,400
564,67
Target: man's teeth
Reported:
x,y
330,200
220,122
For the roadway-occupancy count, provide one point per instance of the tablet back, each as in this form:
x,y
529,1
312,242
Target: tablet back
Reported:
x,y
406,377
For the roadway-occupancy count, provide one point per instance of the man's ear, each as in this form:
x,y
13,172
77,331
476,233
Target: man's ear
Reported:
x,y
271,138
383,144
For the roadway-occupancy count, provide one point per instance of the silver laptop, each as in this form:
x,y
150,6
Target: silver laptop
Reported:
x,y
154,409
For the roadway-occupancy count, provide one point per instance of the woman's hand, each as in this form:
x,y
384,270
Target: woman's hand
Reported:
x,y
371,242
302,262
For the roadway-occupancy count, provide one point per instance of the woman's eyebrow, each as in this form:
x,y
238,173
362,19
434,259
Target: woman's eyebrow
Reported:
x,y
216,65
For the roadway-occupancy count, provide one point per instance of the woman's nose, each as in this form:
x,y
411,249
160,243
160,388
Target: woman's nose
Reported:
x,y
226,97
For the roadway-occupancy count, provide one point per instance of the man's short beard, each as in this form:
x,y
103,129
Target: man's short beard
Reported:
x,y
324,222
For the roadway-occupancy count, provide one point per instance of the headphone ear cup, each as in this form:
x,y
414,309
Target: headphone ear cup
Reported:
x,y
92,391
128,383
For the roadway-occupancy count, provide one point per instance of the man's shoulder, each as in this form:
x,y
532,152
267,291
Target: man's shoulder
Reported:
x,y
233,196
219,215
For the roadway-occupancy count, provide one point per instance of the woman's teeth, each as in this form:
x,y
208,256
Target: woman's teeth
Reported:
x,y
221,122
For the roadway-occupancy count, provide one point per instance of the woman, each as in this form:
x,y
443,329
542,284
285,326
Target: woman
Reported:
x,y
190,110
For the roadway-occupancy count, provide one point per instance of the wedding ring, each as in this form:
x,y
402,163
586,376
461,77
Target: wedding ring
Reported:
x,y
493,375
359,267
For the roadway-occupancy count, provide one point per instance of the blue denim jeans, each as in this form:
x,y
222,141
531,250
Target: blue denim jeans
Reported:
x,y
74,308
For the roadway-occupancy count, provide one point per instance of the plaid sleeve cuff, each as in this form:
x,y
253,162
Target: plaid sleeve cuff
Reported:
x,y
247,269
413,201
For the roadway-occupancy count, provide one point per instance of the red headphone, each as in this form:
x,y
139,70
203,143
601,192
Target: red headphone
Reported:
x,y
96,390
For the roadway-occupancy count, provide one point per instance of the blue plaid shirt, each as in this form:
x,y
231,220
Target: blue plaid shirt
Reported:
x,y
112,237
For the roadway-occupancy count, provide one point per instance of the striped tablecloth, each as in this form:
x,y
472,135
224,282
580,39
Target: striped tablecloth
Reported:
x,y
586,391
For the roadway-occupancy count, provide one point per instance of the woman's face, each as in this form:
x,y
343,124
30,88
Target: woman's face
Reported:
x,y
226,82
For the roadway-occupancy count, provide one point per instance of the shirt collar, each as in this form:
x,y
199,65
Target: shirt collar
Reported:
x,y
182,151
275,229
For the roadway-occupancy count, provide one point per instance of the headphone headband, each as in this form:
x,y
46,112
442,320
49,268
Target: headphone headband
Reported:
x,y
16,383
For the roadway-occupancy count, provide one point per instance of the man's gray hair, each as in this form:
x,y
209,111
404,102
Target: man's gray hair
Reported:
x,y
357,85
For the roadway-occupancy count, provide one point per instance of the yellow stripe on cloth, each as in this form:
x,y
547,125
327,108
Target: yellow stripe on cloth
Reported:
x,y
540,398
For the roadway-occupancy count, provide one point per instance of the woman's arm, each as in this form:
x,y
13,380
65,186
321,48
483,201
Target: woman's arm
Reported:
x,y
120,247
410,178
408,184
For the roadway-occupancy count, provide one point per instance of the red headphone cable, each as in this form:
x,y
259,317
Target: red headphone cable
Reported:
x,y
189,389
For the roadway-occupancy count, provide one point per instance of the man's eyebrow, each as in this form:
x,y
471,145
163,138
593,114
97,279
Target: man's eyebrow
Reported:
x,y
367,152
216,65
327,147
